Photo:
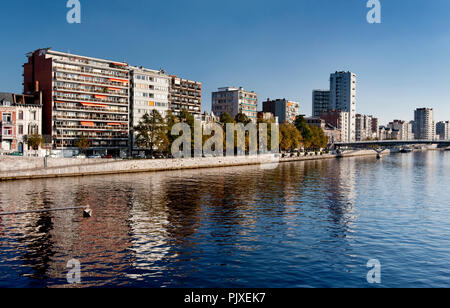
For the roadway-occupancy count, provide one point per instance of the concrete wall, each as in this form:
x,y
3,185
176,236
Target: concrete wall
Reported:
x,y
32,168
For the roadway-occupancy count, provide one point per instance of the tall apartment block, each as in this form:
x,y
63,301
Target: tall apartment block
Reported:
x,y
149,91
82,97
443,130
284,110
320,102
424,128
234,101
185,95
343,98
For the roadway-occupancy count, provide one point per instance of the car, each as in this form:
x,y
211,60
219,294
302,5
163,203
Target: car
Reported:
x,y
107,157
94,156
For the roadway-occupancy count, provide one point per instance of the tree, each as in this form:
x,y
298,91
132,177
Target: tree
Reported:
x,y
83,144
242,118
304,129
151,133
318,138
34,141
290,137
226,118
170,121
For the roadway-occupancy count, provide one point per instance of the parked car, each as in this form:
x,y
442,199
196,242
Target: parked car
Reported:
x,y
16,154
80,156
107,157
94,156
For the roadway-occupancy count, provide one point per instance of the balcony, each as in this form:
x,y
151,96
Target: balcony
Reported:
x,y
83,80
78,99
122,128
90,109
92,91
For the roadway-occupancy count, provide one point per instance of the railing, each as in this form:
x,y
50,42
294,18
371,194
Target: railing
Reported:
x,y
106,128
114,119
90,100
93,109
81,70
60,137
109,83
90,91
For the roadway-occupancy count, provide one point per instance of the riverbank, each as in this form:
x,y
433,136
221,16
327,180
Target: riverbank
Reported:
x,y
33,168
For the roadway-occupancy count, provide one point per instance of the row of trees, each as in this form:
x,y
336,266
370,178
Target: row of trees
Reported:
x,y
154,131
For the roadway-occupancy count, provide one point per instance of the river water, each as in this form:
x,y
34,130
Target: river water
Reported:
x,y
303,224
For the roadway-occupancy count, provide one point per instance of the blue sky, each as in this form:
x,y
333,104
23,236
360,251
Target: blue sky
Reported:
x,y
280,49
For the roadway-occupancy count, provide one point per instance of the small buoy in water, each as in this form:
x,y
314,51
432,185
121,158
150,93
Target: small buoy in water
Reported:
x,y
87,213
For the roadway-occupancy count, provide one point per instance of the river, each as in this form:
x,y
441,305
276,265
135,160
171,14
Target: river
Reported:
x,y
303,224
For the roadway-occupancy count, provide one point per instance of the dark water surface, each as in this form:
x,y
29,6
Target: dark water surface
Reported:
x,y
305,224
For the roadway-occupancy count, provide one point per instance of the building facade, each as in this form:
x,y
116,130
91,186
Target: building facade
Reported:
x,y
343,98
443,130
20,116
399,130
185,95
83,97
234,101
284,110
320,102
424,128
339,120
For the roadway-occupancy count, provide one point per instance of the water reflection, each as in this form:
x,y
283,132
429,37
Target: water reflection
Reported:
x,y
302,224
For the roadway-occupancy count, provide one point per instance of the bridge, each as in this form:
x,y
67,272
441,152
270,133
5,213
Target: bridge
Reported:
x,y
380,146
391,143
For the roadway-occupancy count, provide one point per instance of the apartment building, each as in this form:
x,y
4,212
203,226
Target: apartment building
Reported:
x,y
343,98
234,101
339,120
399,130
284,110
20,116
364,125
185,95
424,127
320,102
443,130
83,97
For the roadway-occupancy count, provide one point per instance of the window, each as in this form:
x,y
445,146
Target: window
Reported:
x,y
7,117
33,115
20,129
20,115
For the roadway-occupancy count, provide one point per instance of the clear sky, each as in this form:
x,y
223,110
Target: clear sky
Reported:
x,y
280,49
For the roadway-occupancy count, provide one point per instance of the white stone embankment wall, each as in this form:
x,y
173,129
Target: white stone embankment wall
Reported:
x,y
33,168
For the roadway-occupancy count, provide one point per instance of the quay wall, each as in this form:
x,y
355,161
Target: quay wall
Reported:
x,y
17,168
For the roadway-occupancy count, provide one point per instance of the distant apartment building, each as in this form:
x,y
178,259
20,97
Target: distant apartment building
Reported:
x,y
332,133
234,101
20,116
185,95
284,110
320,102
424,128
343,98
339,120
267,116
399,130
363,127
83,97
375,128
443,130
